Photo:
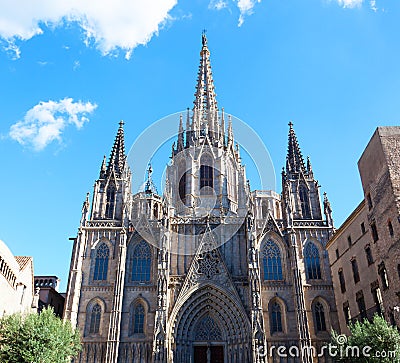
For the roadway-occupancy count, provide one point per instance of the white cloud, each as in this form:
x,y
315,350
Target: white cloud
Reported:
x,y
350,3
11,49
46,122
217,4
109,25
245,8
373,6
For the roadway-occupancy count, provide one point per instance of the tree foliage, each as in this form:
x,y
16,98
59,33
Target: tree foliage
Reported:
x,y
375,341
37,338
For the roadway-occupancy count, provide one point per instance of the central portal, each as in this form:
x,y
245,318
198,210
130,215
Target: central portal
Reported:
x,y
209,354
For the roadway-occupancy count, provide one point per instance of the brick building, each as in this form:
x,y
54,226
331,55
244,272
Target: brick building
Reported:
x,y
364,253
49,294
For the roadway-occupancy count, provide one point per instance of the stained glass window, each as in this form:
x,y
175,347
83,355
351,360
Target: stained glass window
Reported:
x,y
311,257
95,317
101,263
138,319
206,178
319,315
141,262
276,318
272,261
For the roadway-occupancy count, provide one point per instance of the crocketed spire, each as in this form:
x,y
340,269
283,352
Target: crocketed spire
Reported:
x,y
116,163
205,104
205,97
294,159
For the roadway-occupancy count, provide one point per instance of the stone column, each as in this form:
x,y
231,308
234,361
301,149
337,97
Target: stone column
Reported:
x,y
115,318
301,313
257,319
160,326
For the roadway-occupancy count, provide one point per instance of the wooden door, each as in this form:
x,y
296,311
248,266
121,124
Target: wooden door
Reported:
x,y
216,356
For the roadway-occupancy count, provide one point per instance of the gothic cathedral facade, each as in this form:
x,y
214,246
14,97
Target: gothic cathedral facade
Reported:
x,y
209,271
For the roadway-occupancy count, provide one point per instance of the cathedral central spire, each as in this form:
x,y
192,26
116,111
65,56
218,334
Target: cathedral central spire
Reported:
x,y
205,104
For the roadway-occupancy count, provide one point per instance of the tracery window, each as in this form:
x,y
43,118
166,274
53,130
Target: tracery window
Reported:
x,y
305,203
272,261
312,261
110,201
276,317
206,178
319,316
141,262
138,319
206,175
101,262
95,317
208,330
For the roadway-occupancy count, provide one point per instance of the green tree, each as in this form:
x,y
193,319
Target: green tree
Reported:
x,y
37,338
375,341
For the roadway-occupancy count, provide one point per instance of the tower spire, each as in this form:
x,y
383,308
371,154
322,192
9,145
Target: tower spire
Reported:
x,y
205,103
116,162
222,128
150,187
103,169
188,129
328,211
230,131
180,135
294,159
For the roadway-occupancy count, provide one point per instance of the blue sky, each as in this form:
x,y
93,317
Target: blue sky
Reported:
x,y
70,71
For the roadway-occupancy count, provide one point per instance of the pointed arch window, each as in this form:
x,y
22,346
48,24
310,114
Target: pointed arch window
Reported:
x,y
138,319
312,261
272,261
110,204
141,262
319,316
206,175
182,188
276,318
101,263
95,317
305,203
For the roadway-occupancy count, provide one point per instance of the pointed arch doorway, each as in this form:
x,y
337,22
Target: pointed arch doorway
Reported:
x,y
210,325
208,343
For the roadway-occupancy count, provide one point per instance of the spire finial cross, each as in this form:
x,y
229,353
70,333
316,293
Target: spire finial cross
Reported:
x,y
204,37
